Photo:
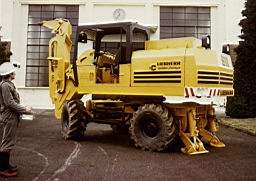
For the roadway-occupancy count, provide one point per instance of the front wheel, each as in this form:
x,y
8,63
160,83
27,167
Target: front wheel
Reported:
x,y
153,127
73,119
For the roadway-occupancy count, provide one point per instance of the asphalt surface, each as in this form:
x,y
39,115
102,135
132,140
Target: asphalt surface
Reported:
x,y
43,155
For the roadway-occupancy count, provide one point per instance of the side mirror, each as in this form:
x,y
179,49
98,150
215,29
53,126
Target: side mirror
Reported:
x,y
206,41
226,49
82,38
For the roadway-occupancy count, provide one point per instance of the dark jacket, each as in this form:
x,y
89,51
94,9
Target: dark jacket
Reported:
x,y
9,98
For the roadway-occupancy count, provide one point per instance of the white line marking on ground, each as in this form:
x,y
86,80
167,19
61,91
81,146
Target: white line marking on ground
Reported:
x,y
100,132
68,161
107,161
113,167
46,160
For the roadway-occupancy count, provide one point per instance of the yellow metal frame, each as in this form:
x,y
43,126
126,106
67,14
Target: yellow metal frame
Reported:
x,y
195,121
163,69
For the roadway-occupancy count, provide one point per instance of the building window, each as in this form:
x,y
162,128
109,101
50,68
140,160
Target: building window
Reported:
x,y
184,22
38,39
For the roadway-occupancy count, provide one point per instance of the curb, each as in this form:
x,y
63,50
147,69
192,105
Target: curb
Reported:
x,y
237,128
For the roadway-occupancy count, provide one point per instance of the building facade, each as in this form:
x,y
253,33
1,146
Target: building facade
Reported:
x,y
20,20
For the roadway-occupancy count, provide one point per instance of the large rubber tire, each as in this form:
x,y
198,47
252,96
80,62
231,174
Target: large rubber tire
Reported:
x,y
153,127
73,120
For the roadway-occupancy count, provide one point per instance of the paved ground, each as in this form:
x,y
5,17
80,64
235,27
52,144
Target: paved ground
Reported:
x,y
42,155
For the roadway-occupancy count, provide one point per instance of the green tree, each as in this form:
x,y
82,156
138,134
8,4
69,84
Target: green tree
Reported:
x,y
4,55
243,104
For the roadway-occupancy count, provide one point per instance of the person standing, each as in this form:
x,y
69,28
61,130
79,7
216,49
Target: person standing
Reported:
x,y
11,111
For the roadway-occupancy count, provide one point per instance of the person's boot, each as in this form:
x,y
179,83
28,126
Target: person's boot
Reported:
x,y
4,164
11,168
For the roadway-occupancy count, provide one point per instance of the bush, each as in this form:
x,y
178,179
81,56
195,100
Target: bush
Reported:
x,y
241,107
243,104
4,55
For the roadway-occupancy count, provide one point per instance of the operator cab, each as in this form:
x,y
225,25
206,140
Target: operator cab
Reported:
x,y
112,43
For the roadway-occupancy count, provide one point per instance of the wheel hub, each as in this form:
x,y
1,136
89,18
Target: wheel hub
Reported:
x,y
149,127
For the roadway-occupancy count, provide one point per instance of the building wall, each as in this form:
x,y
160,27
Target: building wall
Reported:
x,y
225,15
6,13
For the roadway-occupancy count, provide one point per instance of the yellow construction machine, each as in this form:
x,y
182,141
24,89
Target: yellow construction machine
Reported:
x,y
157,90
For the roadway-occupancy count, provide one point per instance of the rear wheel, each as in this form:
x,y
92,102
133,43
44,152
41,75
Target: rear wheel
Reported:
x,y
153,127
73,120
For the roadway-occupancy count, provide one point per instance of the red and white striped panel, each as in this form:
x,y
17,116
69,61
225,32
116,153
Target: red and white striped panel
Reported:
x,y
201,92
214,92
189,92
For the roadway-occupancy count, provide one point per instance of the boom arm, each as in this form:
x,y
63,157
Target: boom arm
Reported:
x,y
61,74
59,26
60,45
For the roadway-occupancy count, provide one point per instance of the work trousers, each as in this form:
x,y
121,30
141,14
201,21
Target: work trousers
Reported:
x,y
10,125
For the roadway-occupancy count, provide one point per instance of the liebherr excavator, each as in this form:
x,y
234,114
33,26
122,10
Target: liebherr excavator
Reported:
x,y
157,90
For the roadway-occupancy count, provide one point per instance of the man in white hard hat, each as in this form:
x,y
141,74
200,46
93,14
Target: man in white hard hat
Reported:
x,y
10,110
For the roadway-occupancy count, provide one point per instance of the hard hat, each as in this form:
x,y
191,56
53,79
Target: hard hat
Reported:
x,y
7,68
